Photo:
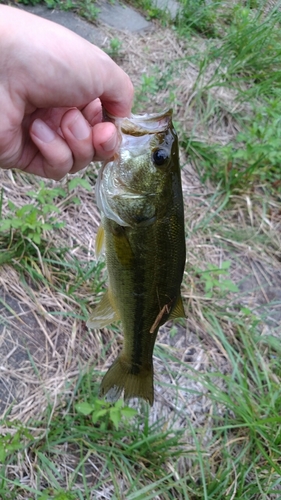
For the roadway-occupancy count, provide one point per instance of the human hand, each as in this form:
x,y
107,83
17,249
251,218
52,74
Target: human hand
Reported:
x,y
53,85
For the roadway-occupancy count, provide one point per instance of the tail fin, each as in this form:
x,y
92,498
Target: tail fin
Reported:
x,y
119,378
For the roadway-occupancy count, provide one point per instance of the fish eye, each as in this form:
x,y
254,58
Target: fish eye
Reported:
x,y
160,157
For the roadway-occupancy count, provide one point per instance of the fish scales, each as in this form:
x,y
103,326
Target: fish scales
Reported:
x,y
143,224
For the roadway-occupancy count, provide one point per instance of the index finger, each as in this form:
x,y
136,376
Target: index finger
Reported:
x,y
117,98
117,90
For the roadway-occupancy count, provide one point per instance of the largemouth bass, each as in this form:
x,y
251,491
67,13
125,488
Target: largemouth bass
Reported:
x,y
139,193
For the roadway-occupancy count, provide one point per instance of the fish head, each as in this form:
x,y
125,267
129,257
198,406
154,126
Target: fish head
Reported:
x,y
132,187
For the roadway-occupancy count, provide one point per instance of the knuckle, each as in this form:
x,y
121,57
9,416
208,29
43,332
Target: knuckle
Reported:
x,y
58,168
84,153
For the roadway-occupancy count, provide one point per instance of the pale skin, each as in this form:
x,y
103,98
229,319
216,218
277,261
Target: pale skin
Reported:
x,y
53,85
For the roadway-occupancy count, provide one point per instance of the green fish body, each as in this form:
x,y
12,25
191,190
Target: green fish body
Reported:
x,y
139,193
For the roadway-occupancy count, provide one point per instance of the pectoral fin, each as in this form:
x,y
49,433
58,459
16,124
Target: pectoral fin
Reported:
x,y
99,243
104,313
178,310
123,248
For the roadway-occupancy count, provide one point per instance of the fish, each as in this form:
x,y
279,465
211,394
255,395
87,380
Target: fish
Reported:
x,y
139,194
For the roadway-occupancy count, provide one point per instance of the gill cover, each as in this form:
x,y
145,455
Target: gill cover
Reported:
x,y
127,185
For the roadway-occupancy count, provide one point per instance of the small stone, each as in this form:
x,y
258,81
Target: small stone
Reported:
x,y
122,17
170,6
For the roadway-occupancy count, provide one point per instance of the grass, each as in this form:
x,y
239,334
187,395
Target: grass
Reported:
x,y
214,431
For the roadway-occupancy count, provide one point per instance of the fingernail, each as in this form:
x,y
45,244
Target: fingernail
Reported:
x,y
42,131
79,128
111,143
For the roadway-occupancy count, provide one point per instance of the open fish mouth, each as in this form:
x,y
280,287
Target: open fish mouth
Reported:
x,y
138,125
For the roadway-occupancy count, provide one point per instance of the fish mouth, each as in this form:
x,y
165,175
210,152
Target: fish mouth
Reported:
x,y
139,125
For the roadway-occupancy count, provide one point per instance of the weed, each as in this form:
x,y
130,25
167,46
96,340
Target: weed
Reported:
x,y
12,442
253,157
149,86
151,10
30,2
251,49
250,52
152,84
31,221
88,9
200,16
260,140
25,227
104,414
115,47
57,495
211,278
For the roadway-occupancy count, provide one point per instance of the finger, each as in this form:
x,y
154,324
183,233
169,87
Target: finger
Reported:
x,y
93,112
79,145
118,103
54,159
78,135
105,140
88,144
